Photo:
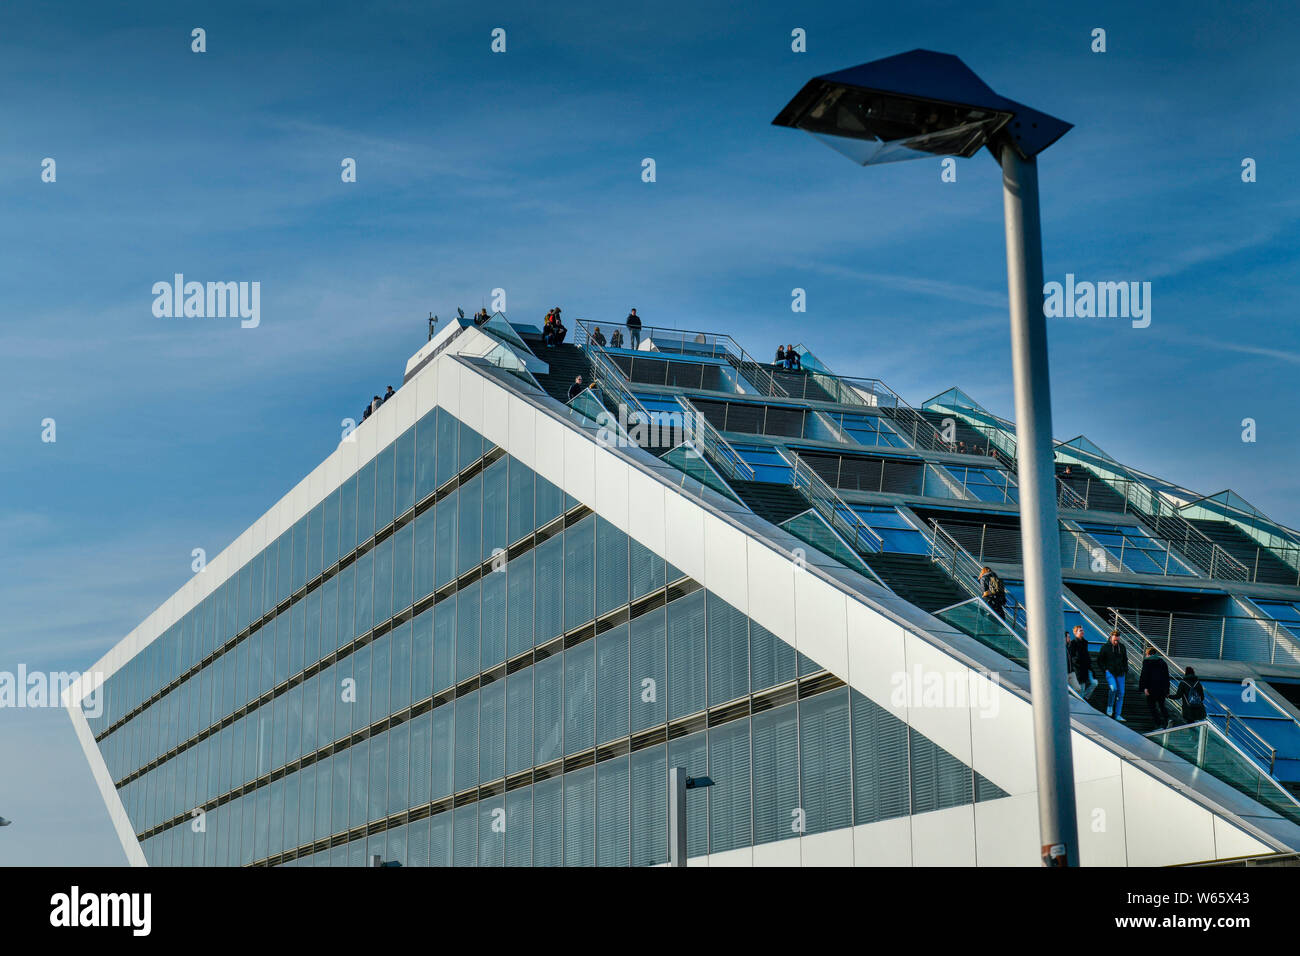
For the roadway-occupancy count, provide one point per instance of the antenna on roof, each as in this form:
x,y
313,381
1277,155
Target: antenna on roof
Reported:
x,y
433,320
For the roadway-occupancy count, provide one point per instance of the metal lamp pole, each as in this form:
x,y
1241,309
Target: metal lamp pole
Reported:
x,y
1038,520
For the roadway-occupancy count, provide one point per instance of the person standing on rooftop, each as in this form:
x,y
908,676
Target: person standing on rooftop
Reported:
x,y
633,323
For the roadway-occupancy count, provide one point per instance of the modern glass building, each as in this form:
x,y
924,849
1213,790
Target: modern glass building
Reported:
x,y
486,626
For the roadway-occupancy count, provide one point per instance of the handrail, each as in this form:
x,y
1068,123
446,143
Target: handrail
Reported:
x,y
736,466
923,433
830,505
1182,624
1144,642
964,569
1164,519
1020,638
1066,497
611,378
1208,726
718,345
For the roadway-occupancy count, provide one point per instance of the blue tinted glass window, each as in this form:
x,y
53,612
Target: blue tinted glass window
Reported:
x,y
426,455
404,477
470,507
686,647
494,619
612,685
613,836
548,726
519,720
467,631
579,697
648,657
492,731
519,604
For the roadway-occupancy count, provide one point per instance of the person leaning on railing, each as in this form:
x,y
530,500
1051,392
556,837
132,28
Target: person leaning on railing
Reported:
x,y
633,323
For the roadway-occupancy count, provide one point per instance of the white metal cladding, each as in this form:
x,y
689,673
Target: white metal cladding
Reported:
x,y
1149,811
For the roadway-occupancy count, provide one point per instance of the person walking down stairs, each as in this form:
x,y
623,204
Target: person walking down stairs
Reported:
x,y
1114,661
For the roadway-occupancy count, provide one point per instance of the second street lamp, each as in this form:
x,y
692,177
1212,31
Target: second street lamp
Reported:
x,y
924,104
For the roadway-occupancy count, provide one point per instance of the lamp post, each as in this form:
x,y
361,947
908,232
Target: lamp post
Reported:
x,y
923,104
678,784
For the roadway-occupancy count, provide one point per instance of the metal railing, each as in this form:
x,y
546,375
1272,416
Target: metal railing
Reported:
x,y
698,432
1205,745
1079,551
690,342
832,508
1230,507
711,442
1238,637
609,377
1167,522
1002,446
1067,497
1233,725
914,426
947,552
975,619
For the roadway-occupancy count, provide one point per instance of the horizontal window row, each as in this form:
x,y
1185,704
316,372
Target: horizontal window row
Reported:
x,y
828,761
425,457
673,661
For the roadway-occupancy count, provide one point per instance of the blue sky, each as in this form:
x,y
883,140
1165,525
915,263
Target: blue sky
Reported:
x,y
522,171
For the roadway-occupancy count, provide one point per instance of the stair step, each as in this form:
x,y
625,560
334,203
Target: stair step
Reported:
x,y
1099,495
915,579
772,502
1262,563
566,361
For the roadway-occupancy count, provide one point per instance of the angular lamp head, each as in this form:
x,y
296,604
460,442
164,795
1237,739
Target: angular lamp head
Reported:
x,y
915,105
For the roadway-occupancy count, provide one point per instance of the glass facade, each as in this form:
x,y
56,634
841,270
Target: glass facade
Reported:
x,y
450,662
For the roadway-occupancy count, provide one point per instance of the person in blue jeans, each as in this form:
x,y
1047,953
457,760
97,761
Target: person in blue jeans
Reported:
x,y
1114,662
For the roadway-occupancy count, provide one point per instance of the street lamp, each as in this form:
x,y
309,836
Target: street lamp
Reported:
x,y
923,104
678,784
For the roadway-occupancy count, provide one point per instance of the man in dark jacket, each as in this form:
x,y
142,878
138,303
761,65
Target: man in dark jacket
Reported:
x,y
576,388
1192,695
633,323
1154,683
1114,661
1081,664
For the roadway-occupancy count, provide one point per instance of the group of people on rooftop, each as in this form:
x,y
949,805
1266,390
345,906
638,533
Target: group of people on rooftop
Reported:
x,y
616,340
553,329
376,402
787,358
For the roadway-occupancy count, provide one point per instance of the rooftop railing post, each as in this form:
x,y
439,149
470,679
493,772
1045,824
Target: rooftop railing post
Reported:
x,y
1223,632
